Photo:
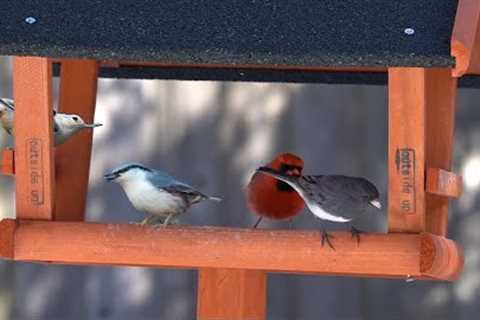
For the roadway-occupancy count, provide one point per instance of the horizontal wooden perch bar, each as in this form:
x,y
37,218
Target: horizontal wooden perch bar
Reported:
x,y
377,255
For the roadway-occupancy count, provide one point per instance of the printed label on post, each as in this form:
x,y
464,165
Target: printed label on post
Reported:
x,y
36,186
405,162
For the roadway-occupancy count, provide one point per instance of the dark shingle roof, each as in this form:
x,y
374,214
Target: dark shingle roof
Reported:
x,y
259,32
298,33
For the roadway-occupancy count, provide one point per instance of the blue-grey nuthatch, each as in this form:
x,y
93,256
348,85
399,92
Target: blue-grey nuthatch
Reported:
x,y
64,125
154,192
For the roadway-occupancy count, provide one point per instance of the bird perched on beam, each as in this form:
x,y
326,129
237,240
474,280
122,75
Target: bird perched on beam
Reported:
x,y
274,199
333,198
64,125
155,193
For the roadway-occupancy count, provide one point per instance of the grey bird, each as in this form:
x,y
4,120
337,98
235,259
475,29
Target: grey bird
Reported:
x,y
64,125
155,193
333,198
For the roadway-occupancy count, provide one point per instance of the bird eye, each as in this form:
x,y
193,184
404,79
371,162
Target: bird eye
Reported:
x,y
75,119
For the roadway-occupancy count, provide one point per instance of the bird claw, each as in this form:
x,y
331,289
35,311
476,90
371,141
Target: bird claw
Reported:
x,y
326,238
257,223
356,233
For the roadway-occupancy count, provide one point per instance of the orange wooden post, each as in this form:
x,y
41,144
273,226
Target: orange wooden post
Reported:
x,y
421,127
441,93
406,149
78,91
231,294
33,130
465,42
7,162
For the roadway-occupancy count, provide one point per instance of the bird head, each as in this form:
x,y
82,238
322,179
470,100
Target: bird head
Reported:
x,y
287,163
127,172
73,122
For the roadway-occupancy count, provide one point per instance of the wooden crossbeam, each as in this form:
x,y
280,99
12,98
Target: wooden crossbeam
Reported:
x,y
465,42
231,294
33,138
78,91
378,255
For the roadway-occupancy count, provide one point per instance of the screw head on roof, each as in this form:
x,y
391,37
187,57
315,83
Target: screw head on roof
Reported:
x,y
409,31
30,20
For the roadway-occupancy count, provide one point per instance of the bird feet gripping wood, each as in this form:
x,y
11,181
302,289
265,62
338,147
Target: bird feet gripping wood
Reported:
x,y
326,238
356,233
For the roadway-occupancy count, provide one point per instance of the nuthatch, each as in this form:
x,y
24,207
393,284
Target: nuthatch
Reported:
x,y
64,125
333,198
155,193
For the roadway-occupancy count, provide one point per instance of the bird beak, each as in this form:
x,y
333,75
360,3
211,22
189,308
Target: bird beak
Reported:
x,y
92,125
110,176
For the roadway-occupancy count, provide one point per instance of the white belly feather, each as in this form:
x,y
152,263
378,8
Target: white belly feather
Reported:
x,y
322,214
147,198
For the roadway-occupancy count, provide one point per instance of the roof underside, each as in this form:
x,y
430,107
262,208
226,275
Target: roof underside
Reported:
x,y
329,33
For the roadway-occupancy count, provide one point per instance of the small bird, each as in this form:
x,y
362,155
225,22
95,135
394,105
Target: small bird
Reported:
x,y
64,125
271,198
334,198
155,193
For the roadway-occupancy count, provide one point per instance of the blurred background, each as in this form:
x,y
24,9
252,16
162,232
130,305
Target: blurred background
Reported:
x,y
213,135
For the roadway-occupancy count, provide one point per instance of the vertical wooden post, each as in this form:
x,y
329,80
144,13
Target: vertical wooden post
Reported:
x,y
406,149
34,162
231,294
78,92
421,127
441,92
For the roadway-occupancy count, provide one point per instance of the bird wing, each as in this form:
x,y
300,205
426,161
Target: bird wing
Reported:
x,y
340,195
177,188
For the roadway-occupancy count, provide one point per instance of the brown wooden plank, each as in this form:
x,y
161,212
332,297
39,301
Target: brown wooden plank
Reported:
x,y
378,255
7,162
78,91
231,294
7,233
465,42
442,183
441,93
34,161
406,149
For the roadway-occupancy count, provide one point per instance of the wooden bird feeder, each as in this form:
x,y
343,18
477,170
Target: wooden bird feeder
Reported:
x,y
306,41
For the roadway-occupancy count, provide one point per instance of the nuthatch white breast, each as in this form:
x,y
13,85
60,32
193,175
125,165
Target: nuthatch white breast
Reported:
x,y
155,193
64,125
333,198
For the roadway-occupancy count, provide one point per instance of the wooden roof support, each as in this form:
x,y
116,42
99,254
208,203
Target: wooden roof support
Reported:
x,y
7,162
78,91
406,149
378,255
441,95
34,161
231,294
465,42
421,128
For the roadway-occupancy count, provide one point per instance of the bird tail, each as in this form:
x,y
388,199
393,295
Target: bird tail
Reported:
x,y
214,199
277,175
376,203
